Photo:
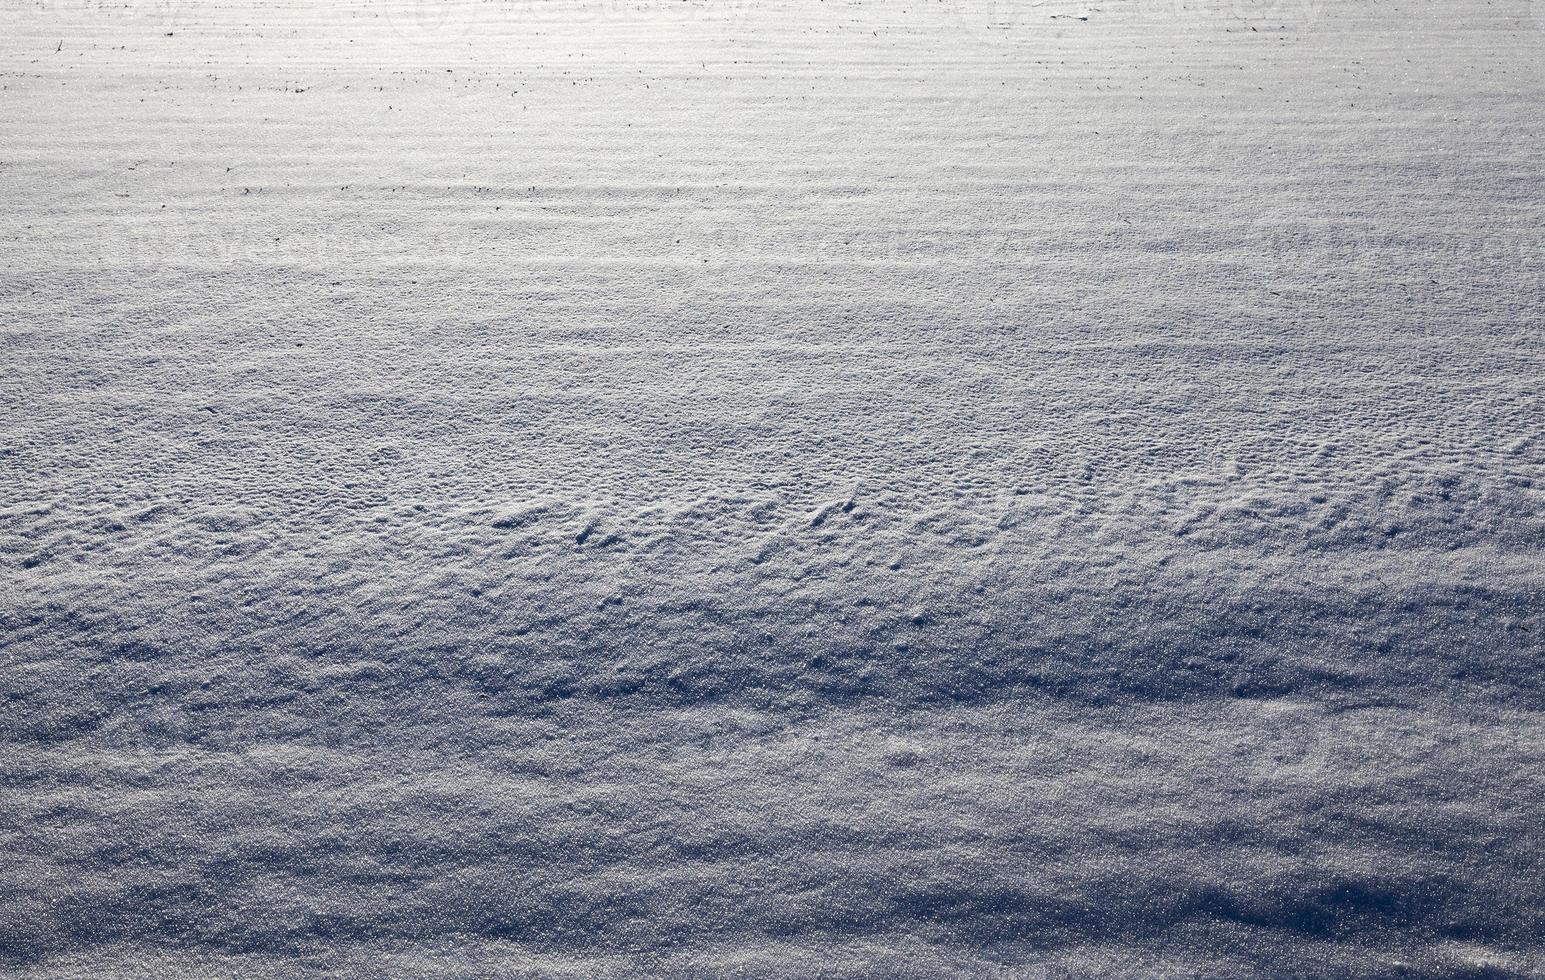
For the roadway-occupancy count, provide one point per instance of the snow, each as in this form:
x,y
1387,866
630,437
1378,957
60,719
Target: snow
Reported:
x,y
772,488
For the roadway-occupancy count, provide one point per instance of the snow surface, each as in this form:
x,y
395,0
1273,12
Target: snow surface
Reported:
x,y
772,488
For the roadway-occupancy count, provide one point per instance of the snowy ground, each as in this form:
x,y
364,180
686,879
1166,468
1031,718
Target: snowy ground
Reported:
x,y
772,488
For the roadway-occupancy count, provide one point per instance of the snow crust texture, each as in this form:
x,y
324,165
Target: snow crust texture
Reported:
x,y
772,489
